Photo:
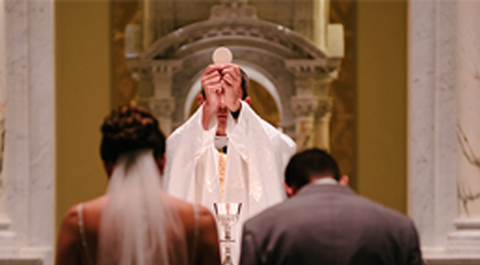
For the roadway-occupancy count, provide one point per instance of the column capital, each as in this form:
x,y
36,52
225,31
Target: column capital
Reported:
x,y
304,67
303,106
168,67
162,107
139,70
324,108
228,9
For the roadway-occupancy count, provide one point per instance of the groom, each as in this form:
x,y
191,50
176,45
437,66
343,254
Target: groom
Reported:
x,y
325,222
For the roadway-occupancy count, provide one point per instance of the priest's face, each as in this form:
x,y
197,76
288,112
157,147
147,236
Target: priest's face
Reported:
x,y
222,116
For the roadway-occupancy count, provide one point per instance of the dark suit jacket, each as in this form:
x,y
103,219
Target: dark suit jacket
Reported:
x,y
329,224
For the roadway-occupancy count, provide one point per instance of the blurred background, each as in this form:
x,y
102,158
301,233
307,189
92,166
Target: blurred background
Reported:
x,y
368,115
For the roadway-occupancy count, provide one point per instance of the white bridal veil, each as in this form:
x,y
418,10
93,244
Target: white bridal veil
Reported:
x,y
138,226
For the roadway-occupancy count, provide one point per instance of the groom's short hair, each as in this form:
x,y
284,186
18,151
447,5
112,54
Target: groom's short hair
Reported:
x,y
308,164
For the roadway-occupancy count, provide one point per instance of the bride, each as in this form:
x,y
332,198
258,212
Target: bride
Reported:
x,y
136,222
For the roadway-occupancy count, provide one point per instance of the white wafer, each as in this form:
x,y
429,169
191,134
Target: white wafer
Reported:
x,y
222,55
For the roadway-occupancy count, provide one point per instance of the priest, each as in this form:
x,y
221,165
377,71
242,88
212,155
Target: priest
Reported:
x,y
225,152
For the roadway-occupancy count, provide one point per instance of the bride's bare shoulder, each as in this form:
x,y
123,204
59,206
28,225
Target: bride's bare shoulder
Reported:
x,y
186,209
208,251
93,205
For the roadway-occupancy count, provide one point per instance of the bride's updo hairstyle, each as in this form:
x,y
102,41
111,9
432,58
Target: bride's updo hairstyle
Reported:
x,y
129,128
138,226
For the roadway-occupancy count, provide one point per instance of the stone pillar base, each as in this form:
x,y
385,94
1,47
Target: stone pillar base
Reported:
x,y
463,245
25,256
13,254
448,259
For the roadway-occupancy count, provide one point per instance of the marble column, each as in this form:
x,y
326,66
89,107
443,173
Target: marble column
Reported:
x,y
444,177
320,13
304,103
311,104
162,104
147,32
468,131
133,40
27,76
4,221
143,75
466,239
323,115
303,108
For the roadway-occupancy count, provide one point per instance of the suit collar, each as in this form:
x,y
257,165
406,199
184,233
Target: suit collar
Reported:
x,y
313,188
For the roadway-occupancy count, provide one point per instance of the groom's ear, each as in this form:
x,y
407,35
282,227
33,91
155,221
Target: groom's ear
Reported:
x,y
289,190
344,180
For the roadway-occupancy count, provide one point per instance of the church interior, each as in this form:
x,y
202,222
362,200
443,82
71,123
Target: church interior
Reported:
x,y
390,88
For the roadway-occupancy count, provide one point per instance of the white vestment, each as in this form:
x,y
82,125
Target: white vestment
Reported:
x,y
257,154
